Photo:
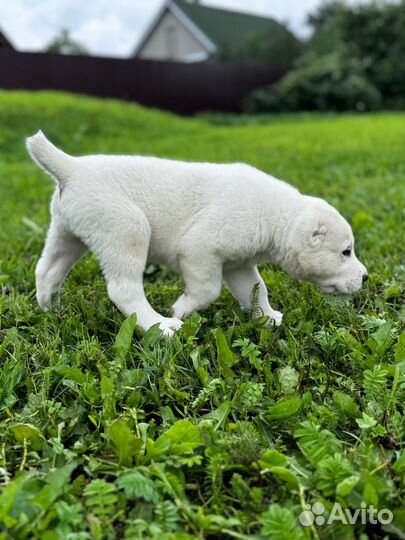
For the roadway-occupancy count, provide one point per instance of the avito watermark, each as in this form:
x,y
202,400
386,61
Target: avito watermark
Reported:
x,y
365,514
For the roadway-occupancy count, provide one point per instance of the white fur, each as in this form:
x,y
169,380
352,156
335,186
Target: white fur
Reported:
x,y
208,221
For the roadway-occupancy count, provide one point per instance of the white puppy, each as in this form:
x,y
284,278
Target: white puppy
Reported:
x,y
210,222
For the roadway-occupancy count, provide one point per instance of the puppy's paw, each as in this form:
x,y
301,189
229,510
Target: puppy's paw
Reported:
x,y
170,325
44,300
276,318
181,308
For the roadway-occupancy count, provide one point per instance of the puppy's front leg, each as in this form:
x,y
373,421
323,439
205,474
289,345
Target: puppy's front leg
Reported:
x,y
120,239
241,282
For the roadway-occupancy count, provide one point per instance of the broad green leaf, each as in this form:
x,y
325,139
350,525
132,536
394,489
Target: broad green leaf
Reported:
x,y
275,463
370,495
29,433
220,414
182,438
400,349
123,340
366,421
346,404
284,407
346,486
56,483
344,336
93,420
272,458
74,374
260,322
108,395
286,475
222,523
125,443
399,465
107,386
226,358
152,336
9,494
381,340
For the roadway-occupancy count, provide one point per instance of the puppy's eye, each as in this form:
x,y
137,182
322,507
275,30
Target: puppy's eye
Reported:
x,y
347,252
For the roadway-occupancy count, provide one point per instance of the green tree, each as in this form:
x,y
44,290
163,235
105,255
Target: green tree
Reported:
x,y
328,82
353,61
276,46
64,44
280,50
372,33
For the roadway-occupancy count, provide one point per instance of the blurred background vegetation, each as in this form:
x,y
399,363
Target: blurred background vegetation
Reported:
x,y
354,60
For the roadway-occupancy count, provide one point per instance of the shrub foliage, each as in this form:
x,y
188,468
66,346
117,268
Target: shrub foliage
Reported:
x,y
353,61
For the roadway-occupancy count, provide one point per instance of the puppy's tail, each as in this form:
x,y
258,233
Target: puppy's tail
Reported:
x,y
55,162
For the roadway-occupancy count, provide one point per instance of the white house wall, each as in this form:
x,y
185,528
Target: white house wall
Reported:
x,y
171,40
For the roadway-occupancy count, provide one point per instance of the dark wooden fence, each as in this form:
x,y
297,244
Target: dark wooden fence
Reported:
x,y
182,88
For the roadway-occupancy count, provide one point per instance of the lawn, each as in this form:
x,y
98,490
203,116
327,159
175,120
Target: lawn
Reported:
x,y
230,429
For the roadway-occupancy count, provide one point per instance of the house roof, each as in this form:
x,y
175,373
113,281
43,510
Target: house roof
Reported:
x,y
214,27
224,27
4,42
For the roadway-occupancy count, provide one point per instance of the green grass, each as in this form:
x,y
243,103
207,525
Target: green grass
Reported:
x,y
229,429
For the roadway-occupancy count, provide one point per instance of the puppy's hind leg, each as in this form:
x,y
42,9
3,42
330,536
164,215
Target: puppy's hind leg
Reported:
x,y
241,282
203,280
62,249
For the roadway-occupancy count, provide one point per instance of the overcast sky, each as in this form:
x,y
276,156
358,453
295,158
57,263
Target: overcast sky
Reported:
x,y
113,27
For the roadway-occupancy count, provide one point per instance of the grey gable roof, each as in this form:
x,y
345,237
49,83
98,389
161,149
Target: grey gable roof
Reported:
x,y
170,5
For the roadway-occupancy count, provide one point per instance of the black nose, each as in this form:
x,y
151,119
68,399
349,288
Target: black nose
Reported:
x,y
365,277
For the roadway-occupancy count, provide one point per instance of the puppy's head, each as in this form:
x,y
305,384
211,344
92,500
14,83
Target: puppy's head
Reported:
x,y
321,249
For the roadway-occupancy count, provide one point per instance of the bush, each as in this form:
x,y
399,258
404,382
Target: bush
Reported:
x,y
353,61
277,45
332,82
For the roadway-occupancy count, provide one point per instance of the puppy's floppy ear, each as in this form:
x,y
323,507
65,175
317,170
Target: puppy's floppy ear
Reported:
x,y
318,235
